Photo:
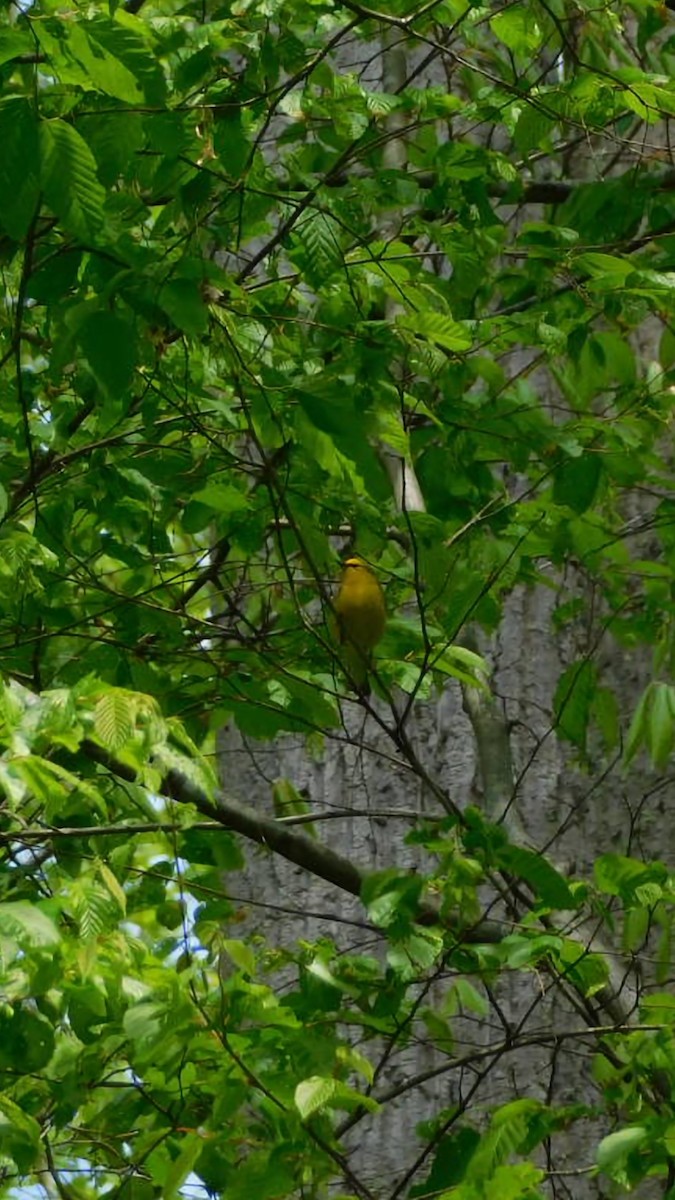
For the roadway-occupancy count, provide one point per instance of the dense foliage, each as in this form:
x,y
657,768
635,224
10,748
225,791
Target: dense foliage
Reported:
x,y
255,256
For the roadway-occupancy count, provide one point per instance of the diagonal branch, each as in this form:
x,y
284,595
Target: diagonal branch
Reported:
x,y
289,843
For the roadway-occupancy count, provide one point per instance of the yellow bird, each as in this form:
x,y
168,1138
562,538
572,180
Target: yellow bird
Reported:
x,y
360,615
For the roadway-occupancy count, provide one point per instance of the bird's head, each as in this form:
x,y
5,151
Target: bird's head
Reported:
x,y
354,563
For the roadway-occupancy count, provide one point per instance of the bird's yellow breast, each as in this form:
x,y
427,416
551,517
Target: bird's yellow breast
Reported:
x,y
359,606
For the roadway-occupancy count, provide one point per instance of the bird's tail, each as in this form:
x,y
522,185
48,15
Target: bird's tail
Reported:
x,y
357,663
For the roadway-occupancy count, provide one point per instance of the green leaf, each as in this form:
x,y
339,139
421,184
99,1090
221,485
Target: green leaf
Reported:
x,y
451,1159
119,44
241,954
667,348
637,731
182,1166
94,908
19,184
105,72
605,711
414,953
222,498
231,144
615,269
576,481
26,1041
548,884
658,1009
391,897
68,177
356,1061
462,664
319,246
108,345
464,997
518,28
14,42
524,950
653,724
114,719
618,875
660,724
20,1134
505,1137
573,700
288,802
515,1182
330,408
317,1093
28,924
533,128
112,884
437,328
114,144
642,99
86,1010
134,1188
615,1148
144,1021
55,785
182,300
314,1094
257,1176
587,971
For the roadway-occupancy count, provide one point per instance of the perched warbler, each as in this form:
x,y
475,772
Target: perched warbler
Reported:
x,y
360,617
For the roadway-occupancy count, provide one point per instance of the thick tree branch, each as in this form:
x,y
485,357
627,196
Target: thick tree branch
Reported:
x,y
291,844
